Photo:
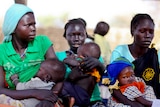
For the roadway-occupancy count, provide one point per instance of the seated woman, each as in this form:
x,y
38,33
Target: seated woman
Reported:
x,y
140,54
130,86
75,33
50,76
21,53
80,83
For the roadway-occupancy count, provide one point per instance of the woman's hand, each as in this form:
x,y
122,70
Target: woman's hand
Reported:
x,y
50,104
45,103
45,95
71,61
123,99
89,63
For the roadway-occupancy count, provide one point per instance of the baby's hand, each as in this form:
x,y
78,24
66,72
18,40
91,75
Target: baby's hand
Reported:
x,y
13,77
72,62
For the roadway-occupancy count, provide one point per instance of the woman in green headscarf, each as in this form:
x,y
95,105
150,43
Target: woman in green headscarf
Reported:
x,y
22,52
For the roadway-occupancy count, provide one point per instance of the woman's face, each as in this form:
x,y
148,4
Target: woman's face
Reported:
x,y
26,30
144,33
75,35
126,76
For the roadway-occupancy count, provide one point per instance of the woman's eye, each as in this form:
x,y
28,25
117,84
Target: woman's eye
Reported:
x,y
142,30
151,31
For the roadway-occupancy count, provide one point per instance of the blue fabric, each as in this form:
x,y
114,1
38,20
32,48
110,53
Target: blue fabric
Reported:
x,y
80,95
114,69
105,101
11,19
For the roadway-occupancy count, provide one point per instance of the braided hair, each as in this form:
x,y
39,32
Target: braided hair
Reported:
x,y
137,20
74,21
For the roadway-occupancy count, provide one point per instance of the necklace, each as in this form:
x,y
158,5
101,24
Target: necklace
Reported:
x,y
24,53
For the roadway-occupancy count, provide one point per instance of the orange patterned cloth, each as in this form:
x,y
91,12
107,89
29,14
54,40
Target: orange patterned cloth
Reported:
x,y
4,105
139,85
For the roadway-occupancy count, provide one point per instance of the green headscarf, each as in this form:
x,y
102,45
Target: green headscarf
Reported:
x,y
11,19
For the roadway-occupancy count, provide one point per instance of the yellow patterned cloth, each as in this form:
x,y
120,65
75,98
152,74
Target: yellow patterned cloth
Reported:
x,y
94,71
10,101
96,74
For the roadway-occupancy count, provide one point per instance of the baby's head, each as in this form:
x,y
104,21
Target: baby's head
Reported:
x,y
121,69
89,50
52,70
102,28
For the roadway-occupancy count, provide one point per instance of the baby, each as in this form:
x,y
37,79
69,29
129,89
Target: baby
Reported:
x,y
80,82
50,76
132,87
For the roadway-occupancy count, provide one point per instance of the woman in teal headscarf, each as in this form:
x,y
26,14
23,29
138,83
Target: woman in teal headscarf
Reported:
x,y
22,52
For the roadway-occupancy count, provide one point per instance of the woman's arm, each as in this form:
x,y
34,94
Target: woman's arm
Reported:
x,y
11,93
143,101
90,63
71,61
23,94
122,99
57,88
50,53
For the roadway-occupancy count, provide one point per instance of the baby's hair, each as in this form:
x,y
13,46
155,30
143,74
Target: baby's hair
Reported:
x,y
136,20
74,21
102,28
57,67
90,48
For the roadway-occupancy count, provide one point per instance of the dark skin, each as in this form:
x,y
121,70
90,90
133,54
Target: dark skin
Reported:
x,y
127,76
77,74
49,73
123,99
24,33
76,35
143,35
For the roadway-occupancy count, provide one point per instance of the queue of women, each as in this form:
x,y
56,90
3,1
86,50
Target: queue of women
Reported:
x,y
22,52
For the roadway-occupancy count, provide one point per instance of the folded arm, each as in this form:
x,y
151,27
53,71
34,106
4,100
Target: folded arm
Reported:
x,y
123,99
23,94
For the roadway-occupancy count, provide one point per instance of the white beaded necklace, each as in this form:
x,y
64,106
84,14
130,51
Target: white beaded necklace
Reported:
x,y
24,53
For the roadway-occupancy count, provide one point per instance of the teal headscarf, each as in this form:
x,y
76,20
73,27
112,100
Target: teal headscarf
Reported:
x,y
11,19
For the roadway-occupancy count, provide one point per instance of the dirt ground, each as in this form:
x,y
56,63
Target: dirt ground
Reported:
x,y
56,35
114,37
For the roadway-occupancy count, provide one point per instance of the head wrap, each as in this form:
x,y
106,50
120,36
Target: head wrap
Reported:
x,y
11,19
116,67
